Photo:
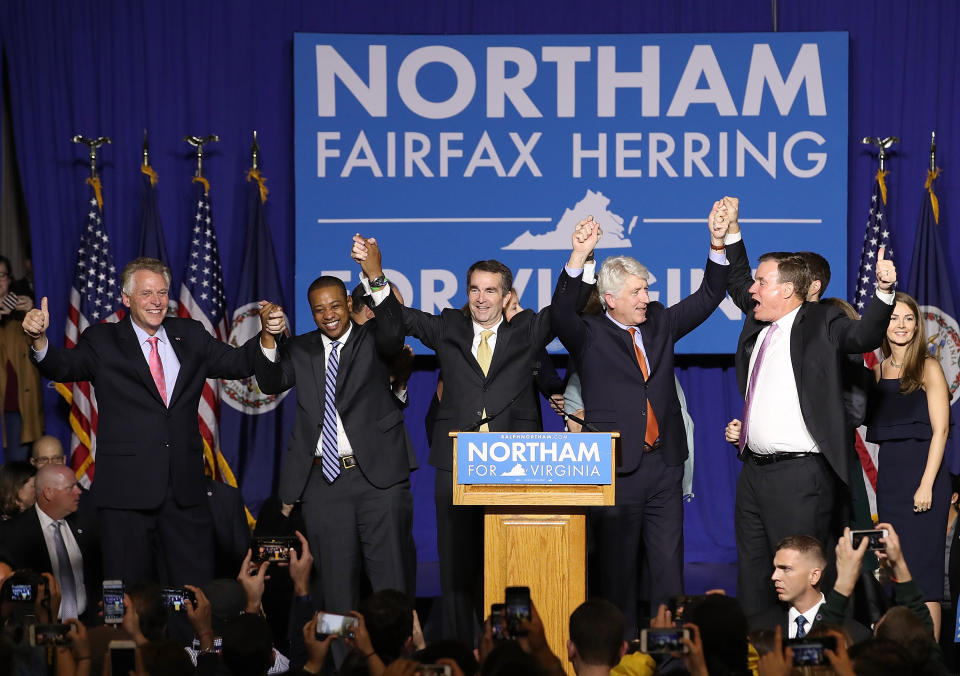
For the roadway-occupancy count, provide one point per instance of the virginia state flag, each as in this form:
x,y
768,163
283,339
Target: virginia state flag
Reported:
x,y
152,243
929,283
251,431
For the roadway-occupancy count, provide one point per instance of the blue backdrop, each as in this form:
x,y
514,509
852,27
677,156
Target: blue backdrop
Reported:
x,y
115,67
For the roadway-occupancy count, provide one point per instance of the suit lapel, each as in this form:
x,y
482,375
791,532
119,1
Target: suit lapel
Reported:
x,y
797,345
624,341
348,358
464,341
131,348
504,334
317,359
176,344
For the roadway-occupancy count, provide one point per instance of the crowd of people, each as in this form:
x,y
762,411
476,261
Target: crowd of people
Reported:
x,y
337,539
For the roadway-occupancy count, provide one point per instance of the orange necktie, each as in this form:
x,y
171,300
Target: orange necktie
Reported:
x,y
653,429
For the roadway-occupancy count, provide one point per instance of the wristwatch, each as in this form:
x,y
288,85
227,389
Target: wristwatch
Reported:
x,y
379,282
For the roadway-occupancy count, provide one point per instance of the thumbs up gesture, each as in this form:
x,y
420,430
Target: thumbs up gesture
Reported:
x,y
886,272
35,324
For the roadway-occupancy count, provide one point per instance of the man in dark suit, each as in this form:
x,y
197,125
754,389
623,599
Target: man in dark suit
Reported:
x,y
625,361
148,371
349,457
795,436
798,566
487,365
52,537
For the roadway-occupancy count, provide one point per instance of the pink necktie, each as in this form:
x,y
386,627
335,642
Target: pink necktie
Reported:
x,y
156,368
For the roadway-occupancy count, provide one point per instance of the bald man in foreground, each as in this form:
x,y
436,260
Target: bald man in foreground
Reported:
x,y
52,537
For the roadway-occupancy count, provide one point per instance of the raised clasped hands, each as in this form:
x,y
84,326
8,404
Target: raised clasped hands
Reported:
x,y
271,318
366,252
723,219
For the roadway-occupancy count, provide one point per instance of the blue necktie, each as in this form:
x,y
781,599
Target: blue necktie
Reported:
x,y
68,585
330,447
801,626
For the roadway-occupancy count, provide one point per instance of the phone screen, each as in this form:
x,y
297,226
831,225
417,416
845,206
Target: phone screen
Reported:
x,y
339,625
498,625
112,601
123,659
516,609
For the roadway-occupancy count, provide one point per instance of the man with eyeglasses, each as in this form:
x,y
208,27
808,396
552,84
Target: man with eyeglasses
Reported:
x,y
47,450
148,370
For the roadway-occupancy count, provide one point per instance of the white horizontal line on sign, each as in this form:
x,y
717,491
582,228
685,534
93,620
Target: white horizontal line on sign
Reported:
x,y
742,220
450,219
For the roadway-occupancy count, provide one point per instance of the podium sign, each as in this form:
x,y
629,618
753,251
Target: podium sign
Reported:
x,y
508,458
535,487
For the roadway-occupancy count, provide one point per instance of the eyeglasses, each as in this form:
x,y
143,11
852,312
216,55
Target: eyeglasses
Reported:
x,y
50,460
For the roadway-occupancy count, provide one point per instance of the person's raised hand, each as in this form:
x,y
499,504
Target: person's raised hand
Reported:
x,y
300,566
253,577
35,324
886,272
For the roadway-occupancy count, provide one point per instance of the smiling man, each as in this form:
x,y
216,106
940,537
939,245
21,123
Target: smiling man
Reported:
x,y
349,456
795,434
625,362
488,366
148,371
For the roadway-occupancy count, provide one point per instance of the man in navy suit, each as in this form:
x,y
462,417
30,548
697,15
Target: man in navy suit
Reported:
x,y
148,371
625,361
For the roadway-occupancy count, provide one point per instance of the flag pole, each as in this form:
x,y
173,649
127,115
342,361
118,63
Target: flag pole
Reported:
x,y
254,151
933,151
146,149
93,144
199,142
883,144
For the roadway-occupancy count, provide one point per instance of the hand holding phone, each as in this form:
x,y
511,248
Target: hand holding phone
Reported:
x,y
664,641
337,625
516,609
872,535
113,601
810,652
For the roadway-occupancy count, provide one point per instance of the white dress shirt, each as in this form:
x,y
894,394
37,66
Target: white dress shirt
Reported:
x,y
776,420
343,444
73,551
809,616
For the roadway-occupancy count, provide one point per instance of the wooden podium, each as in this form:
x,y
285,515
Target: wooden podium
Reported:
x,y
535,536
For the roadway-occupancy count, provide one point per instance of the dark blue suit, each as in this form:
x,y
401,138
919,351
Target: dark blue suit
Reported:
x,y
149,473
615,394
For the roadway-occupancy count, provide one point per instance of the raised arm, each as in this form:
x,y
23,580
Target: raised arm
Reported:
x,y
853,336
693,310
564,311
400,320
740,279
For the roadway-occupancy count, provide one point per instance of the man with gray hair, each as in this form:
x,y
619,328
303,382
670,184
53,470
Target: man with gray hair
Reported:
x,y
148,370
625,360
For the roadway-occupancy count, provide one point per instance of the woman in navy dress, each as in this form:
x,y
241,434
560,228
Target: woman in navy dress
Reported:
x,y
909,418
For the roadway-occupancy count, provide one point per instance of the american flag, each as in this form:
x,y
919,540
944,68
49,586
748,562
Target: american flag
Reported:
x,y
202,298
877,235
94,298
